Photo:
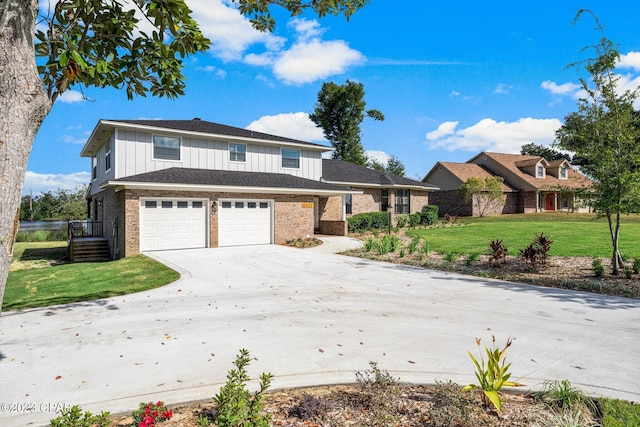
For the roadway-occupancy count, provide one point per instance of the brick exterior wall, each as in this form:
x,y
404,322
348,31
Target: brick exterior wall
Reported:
x,y
293,215
367,202
450,202
417,200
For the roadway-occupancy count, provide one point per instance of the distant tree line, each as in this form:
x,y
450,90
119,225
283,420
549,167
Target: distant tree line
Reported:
x,y
55,205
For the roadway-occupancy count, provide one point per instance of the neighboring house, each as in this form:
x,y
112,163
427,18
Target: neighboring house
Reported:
x,y
380,191
173,184
531,184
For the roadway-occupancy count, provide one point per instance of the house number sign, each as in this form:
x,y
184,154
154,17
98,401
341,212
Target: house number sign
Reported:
x,y
307,205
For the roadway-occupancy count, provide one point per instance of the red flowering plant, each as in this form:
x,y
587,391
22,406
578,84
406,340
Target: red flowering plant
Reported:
x,y
151,413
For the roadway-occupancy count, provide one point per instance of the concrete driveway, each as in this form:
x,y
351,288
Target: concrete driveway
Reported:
x,y
310,318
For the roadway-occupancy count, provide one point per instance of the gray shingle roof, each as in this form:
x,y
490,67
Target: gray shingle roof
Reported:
x,y
203,126
185,176
339,171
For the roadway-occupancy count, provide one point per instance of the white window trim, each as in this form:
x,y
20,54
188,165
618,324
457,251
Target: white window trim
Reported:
x,y
299,159
153,157
245,152
538,166
108,153
566,172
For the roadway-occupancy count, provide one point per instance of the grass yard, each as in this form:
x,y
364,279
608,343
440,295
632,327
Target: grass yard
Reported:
x,y
573,234
39,277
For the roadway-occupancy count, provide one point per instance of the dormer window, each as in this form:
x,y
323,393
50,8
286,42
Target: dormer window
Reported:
x,y
563,172
540,171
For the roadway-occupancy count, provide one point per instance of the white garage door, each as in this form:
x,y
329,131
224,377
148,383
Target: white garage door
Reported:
x,y
173,224
244,222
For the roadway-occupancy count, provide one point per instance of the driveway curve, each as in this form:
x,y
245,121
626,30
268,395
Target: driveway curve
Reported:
x,y
309,318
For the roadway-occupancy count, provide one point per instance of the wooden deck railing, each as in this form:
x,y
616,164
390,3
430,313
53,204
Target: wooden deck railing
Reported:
x,y
86,228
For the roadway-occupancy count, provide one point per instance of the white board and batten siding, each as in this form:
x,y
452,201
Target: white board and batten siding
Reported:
x,y
167,223
133,153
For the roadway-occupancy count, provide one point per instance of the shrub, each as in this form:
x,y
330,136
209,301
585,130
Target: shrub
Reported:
x,y
471,259
414,219
413,245
368,221
75,417
378,389
493,374
529,254
310,408
598,268
561,395
636,266
451,218
619,413
451,256
498,251
402,220
537,250
388,244
370,244
452,408
628,271
429,214
235,405
148,414
426,248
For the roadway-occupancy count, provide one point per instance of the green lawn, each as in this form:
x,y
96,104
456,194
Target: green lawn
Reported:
x,y
38,279
573,234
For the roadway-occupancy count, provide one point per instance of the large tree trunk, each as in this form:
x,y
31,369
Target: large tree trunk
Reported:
x,y
23,106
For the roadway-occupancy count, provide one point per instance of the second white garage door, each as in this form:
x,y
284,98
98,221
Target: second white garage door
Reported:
x,y
244,222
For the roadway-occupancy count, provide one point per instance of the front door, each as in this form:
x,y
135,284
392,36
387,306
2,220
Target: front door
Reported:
x,y
550,204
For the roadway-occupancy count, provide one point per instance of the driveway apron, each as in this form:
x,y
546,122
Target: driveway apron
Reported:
x,y
309,318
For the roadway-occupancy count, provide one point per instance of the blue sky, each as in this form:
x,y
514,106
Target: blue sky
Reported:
x,y
452,79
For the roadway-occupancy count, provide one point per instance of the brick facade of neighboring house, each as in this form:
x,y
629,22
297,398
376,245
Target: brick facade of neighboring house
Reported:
x,y
530,184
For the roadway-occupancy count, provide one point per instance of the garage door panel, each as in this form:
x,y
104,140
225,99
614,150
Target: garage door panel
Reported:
x,y
244,222
172,224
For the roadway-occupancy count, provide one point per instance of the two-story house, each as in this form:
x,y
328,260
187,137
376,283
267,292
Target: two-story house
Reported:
x,y
172,184
531,184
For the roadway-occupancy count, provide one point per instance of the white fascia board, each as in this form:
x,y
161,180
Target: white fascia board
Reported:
x,y
363,185
123,185
205,135
89,149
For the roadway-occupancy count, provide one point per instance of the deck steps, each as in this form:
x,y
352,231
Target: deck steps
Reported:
x,y
89,249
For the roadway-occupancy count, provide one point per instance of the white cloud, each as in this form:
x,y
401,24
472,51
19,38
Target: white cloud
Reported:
x,y
490,135
43,182
630,60
569,89
379,156
218,72
71,97
291,125
70,139
446,128
230,32
315,60
503,89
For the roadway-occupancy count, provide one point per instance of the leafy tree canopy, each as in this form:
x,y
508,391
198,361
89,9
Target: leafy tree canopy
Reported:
x,y
604,134
339,111
549,154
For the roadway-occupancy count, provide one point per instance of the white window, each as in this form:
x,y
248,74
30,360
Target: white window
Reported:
x,y
166,148
94,169
238,152
563,172
107,156
290,158
348,204
540,171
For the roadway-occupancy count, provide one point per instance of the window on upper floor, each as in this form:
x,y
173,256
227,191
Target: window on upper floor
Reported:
x,y
237,152
540,171
563,172
403,196
166,148
290,158
107,156
94,169
348,204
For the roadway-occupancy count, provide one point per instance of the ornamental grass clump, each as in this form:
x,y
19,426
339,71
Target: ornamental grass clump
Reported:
x,y
492,374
